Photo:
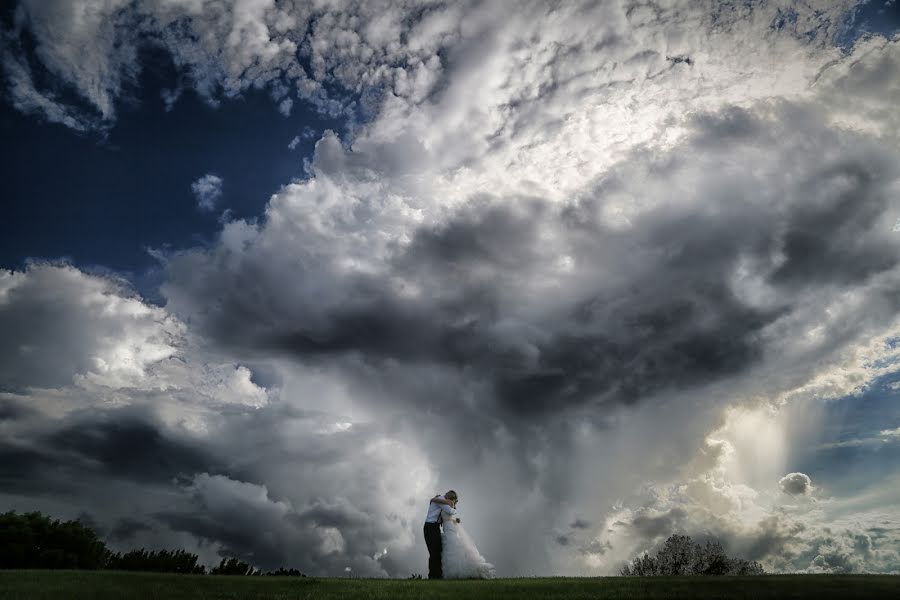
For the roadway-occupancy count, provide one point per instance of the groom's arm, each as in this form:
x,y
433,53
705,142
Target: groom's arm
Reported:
x,y
447,506
449,510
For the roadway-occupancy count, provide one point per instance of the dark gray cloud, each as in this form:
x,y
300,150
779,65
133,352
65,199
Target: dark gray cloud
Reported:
x,y
675,321
97,445
658,525
126,446
580,524
243,520
125,529
827,239
21,466
12,410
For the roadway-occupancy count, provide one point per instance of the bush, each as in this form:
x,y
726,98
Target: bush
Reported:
x,y
681,556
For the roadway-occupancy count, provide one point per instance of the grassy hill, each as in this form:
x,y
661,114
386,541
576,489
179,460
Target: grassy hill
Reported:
x,y
21,585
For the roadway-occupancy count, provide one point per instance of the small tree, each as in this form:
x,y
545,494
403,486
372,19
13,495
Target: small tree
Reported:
x,y
676,556
681,556
641,566
710,560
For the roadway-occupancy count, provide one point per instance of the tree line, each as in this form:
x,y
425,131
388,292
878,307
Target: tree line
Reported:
x,y
682,556
35,541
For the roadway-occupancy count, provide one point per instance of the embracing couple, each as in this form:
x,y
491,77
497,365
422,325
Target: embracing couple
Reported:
x,y
451,552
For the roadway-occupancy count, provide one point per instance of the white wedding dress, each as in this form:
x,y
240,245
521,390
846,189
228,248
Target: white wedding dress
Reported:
x,y
460,558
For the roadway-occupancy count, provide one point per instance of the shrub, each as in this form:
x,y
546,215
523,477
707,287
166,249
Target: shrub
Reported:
x,y
681,556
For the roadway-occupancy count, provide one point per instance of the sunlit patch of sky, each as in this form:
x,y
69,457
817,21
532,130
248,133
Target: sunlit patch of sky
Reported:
x,y
851,450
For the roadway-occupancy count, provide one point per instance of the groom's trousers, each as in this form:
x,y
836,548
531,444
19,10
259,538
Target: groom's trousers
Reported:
x,y
433,541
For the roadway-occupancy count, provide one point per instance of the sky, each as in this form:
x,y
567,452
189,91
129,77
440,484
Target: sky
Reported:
x,y
274,273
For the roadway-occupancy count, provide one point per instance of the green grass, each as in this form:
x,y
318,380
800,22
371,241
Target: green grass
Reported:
x,y
98,585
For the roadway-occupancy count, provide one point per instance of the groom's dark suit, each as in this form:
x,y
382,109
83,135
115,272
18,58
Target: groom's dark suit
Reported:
x,y
433,541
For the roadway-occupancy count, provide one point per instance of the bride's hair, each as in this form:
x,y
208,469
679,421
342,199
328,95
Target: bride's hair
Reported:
x,y
451,495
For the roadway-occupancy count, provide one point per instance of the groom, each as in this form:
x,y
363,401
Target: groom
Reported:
x,y
437,508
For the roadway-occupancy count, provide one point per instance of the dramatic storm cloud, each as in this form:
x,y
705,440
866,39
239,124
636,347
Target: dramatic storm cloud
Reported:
x,y
610,270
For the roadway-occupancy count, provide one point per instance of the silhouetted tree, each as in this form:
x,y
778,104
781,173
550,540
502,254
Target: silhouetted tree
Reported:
x,y
286,573
738,566
161,561
642,566
233,566
710,560
677,556
33,541
681,556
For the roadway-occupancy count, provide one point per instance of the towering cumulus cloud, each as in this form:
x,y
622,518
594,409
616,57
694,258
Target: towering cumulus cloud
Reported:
x,y
600,267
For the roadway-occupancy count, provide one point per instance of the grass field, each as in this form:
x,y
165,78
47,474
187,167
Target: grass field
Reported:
x,y
100,585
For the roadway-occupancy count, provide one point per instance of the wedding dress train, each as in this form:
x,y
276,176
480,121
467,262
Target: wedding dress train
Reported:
x,y
460,558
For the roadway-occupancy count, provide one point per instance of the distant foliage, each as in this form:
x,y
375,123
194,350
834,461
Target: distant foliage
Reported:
x,y
681,556
234,566
33,541
162,561
286,573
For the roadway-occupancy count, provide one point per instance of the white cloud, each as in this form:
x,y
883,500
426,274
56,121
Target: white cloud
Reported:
x,y
796,484
99,345
61,324
207,190
285,106
890,433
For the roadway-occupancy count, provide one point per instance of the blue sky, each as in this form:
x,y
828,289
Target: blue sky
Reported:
x,y
628,265
104,198
852,451
869,18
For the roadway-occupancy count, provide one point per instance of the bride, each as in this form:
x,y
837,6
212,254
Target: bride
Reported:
x,y
460,558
